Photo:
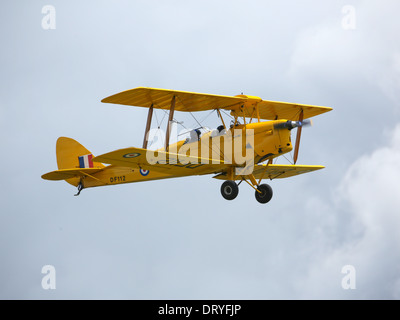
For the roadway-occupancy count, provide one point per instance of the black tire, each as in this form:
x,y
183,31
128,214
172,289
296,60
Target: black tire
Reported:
x,y
266,193
229,190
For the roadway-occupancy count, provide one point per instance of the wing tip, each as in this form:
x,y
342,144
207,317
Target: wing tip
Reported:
x,y
110,99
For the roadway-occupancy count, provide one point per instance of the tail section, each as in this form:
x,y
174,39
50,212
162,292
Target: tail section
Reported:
x,y
74,162
76,166
71,155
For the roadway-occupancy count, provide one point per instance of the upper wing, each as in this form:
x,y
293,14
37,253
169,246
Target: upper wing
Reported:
x,y
161,99
273,110
276,171
165,162
191,101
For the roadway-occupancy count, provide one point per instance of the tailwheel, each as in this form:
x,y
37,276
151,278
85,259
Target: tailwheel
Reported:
x,y
229,190
80,188
264,193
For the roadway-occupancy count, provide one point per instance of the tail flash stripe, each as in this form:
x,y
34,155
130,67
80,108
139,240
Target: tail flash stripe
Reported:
x,y
81,162
86,161
90,162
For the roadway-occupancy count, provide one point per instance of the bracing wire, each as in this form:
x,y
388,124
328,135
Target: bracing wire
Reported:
x,y
292,163
227,114
158,124
196,120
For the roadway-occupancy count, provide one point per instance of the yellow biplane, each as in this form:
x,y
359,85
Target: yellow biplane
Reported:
x,y
242,151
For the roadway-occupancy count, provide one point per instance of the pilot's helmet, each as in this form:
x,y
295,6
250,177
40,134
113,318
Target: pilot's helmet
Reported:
x,y
195,135
218,132
220,128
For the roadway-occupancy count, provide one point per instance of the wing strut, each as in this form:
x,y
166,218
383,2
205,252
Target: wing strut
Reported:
x,y
296,148
220,116
148,124
258,113
171,117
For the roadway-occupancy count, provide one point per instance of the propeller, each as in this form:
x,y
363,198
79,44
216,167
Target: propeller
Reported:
x,y
295,124
298,136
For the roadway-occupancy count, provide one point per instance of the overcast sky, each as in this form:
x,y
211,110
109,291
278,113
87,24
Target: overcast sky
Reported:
x,y
178,238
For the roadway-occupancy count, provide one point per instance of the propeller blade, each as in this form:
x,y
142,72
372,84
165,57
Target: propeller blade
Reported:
x,y
305,123
298,136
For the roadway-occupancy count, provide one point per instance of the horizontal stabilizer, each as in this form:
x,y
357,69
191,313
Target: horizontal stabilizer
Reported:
x,y
64,174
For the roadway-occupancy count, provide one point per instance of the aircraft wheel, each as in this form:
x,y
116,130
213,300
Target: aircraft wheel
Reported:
x,y
229,190
266,193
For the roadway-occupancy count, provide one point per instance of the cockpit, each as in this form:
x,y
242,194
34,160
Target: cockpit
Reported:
x,y
196,134
218,131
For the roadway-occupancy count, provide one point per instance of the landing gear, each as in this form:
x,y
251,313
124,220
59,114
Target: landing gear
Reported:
x,y
264,193
229,190
80,187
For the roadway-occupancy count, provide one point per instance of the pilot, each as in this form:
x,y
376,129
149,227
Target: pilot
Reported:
x,y
234,124
194,136
218,132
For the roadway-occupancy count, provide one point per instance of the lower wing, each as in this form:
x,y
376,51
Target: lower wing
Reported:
x,y
161,161
275,171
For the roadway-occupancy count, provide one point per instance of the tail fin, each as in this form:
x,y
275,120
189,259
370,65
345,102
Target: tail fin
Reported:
x,y
73,159
71,154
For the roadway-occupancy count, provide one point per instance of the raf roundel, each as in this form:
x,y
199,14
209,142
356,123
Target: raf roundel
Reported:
x,y
131,155
144,172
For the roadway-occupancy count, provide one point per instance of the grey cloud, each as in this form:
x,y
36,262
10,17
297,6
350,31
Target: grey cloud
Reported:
x,y
178,238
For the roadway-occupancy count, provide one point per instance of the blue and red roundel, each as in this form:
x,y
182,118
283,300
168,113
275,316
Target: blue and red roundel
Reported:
x,y
144,172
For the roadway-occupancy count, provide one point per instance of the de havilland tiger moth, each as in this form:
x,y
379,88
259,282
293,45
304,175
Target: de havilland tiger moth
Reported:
x,y
244,150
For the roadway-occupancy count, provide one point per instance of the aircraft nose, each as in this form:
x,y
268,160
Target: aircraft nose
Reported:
x,y
293,124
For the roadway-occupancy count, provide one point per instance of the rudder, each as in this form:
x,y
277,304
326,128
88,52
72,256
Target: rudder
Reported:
x,y
69,152
71,155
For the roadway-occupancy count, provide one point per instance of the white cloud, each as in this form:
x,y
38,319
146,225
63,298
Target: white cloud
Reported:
x,y
390,80
344,58
368,201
